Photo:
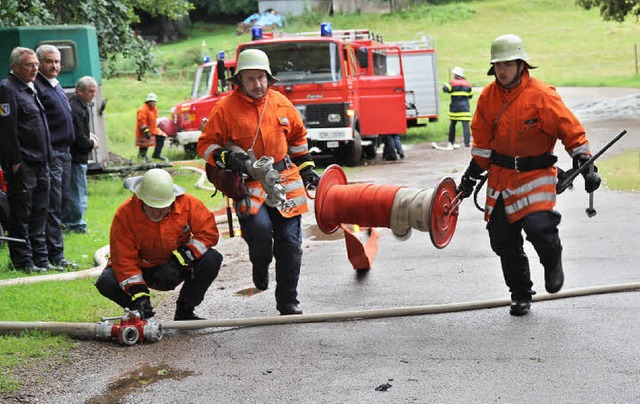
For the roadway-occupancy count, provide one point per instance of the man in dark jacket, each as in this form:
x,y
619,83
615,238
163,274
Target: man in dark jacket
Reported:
x,y
75,197
58,111
24,154
459,109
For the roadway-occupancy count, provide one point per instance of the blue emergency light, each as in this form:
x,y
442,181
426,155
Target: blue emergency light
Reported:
x,y
206,59
256,33
325,29
221,55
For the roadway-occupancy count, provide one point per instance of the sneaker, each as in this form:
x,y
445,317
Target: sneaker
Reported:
x,y
163,158
66,264
30,269
519,307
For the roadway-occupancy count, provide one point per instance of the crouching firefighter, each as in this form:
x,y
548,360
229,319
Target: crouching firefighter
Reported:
x,y
515,127
259,121
161,237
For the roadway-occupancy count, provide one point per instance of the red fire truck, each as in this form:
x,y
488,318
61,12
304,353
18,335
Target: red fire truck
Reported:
x,y
349,86
210,84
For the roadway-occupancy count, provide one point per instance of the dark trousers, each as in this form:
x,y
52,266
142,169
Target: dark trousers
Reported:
x,y
28,195
392,147
157,152
269,235
59,174
466,130
506,239
162,277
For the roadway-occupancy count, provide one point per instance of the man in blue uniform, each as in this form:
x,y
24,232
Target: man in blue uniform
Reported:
x,y
24,154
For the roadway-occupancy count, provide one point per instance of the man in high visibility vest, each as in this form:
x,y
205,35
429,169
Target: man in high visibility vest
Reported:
x,y
459,109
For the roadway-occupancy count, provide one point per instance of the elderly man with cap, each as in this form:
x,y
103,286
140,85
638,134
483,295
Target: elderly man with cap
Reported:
x,y
516,125
160,238
147,131
260,121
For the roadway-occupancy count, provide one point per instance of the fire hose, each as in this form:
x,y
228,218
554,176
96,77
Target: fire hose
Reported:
x,y
132,329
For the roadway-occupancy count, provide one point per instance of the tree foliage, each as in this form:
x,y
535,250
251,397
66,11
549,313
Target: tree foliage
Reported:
x,y
111,18
228,6
613,10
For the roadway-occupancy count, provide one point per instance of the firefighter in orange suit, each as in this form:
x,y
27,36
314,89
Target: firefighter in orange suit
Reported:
x,y
257,118
517,121
148,134
160,238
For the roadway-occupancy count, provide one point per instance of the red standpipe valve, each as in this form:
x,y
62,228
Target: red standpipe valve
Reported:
x,y
132,328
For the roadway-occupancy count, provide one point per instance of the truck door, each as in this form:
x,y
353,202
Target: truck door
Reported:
x,y
379,93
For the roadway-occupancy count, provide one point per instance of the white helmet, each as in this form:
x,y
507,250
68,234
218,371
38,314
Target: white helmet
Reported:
x,y
250,59
458,71
152,97
155,188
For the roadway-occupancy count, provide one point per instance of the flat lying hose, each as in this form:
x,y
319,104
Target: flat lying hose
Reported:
x,y
88,330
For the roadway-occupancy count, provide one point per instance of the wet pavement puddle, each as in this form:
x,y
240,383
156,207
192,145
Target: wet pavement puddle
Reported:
x,y
146,375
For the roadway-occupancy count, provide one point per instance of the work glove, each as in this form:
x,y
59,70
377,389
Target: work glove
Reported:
x,y
469,179
310,177
142,301
145,132
592,180
184,256
236,161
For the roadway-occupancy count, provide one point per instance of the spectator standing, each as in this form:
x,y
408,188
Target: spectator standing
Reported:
x,y
516,126
459,109
147,132
160,238
75,199
25,150
392,148
257,118
58,112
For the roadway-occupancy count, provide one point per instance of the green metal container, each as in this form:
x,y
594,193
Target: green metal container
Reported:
x,y
78,45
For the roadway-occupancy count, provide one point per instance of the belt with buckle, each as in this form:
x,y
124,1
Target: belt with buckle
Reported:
x,y
524,163
283,164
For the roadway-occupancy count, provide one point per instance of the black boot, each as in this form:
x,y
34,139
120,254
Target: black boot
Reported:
x,y
519,307
286,309
553,277
185,313
261,278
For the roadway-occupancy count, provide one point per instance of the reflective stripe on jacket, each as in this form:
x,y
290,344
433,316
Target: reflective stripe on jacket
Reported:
x,y
523,122
136,242
461,91
235,119
146,116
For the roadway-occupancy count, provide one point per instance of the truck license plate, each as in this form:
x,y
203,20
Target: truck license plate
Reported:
x,y
332,145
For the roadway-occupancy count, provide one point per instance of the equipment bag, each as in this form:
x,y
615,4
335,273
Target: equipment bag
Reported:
x,y
229,182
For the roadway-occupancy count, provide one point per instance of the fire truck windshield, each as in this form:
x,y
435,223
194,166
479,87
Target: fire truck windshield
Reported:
x,y
304,62
202,82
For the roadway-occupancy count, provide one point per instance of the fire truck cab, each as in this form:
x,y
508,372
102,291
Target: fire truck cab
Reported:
x,y
211,83
349,87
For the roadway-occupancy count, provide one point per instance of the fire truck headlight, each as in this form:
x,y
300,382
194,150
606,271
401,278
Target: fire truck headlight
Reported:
x,y
333,118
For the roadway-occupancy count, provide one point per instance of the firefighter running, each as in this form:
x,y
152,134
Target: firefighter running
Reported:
x,y
517,122
258,119
160,238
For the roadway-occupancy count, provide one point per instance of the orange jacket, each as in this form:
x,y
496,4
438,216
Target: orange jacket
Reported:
x,y
235,119
525,121
136,242
146,116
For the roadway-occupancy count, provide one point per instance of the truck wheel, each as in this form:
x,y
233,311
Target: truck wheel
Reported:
x,y
190,150
352,151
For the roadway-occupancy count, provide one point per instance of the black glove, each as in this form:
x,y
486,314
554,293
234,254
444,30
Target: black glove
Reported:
x,y
145,132
236,161
310,177
469,179
184,255
592,180
142,301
